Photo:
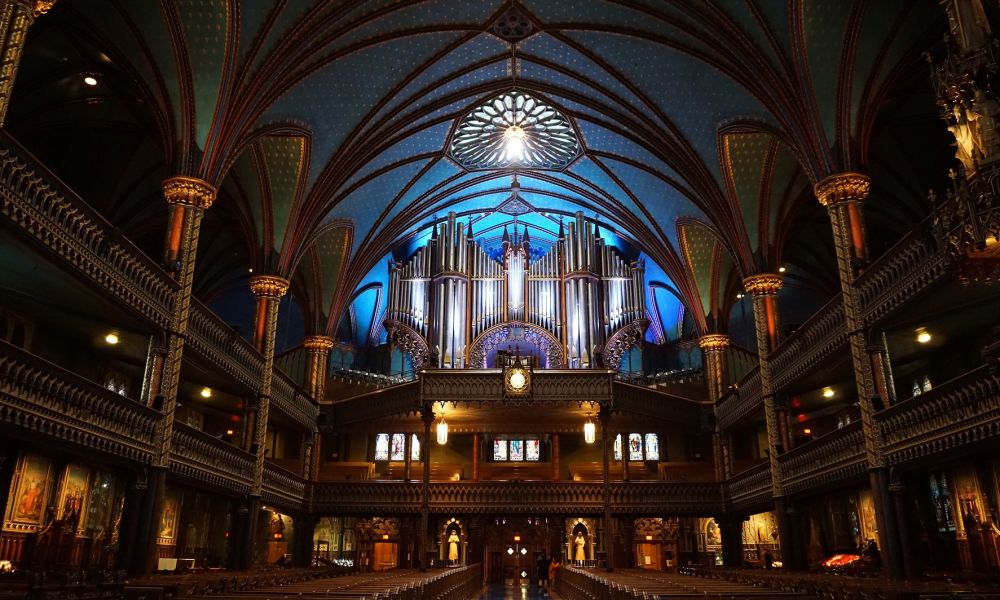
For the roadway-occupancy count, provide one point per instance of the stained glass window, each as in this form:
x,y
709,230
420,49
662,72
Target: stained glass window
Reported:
x,y
398,447
382,446
415,448
534,450
635,446
500,450
618,447
517,450
652,447
514,129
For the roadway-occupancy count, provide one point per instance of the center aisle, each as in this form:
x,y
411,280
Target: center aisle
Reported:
x,y
502,592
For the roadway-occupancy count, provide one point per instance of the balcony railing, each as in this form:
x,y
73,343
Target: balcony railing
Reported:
x,y
812,343
653,404
832,459
43,208
750,488
283,488
380,497
201,457
38,396
740,401
289,399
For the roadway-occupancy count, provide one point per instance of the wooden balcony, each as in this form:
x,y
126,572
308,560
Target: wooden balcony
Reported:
x,y
283,488
200,457
834,459
750,490
40,398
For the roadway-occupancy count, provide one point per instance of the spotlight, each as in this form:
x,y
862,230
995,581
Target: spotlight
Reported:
x,y
90,80
828,392
923,336
112,338
781,269
206,392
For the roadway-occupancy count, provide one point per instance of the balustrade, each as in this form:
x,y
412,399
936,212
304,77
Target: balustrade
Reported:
x,y
831,459
750,488
283,488
740,401
201,457
38,396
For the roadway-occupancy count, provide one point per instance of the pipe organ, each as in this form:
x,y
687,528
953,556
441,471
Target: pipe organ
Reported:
x,y
452,305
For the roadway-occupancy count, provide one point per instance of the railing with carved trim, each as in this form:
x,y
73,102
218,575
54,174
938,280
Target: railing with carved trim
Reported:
x,y
395,400
283,488
812,343
750,488
647,402
215,340
957,413
201,457
38,396
46,210
290,400
643,497
739,401
835,458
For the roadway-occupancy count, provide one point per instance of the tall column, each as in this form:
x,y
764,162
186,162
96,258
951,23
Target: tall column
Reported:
x,y
625,454
476,455
268,290
713,347
427,416
16,16
318,348
187,199
764,289
556,465
606,442
843,195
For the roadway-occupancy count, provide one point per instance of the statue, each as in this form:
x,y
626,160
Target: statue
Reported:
x,y
965,139
453,547
580,554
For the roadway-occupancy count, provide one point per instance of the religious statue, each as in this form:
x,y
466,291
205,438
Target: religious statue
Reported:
x,y
580,543
966,149
453,547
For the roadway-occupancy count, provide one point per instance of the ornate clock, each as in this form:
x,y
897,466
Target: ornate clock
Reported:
x,y
517,380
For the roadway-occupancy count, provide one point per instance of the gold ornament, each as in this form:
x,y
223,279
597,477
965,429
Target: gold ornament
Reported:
x,y
843,187
318,343
764,284
189,191
40,7
713,342
270,286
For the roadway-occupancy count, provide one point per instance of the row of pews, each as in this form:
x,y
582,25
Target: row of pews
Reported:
x,y
574,583
459,583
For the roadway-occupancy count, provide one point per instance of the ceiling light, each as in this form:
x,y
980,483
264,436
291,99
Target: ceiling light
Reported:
x,y
90,80
807,431
828,392
513,138
781,269
923,336
739,296
206,392
112,338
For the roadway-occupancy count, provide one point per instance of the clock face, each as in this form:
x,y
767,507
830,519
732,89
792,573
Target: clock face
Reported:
x,y
517,380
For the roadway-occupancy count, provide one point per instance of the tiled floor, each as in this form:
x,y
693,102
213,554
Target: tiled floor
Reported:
x,y
500,592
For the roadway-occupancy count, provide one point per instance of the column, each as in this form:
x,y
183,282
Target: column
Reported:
x,y
476,455
843,195
713,347
15,19
556,465
318,348
604,416
427,416
305,527
764,289
625,454
128,532
187,199
731,529
899,498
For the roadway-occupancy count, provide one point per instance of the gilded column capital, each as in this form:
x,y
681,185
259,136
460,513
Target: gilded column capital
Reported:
x,y
40,7
763,284
843,187
713,342
270,286
318,343
189,191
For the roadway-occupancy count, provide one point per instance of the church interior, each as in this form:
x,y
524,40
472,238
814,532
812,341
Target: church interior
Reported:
x,y
450,299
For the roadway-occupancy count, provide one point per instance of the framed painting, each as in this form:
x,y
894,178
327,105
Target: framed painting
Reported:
x,y
168,521
29,494
71,504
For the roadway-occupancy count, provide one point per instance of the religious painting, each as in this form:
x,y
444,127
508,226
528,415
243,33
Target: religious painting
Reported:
x,y
517,450
652,447
533,450
382,446
618,447
73,493
168,521
348,539
415,448
29,494
866,512
713,536
500,450
635,446
398,447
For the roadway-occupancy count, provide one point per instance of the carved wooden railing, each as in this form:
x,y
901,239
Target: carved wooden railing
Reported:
x,y
912,265
812,343
647,402
43,398
395,400
46,210
963,411
740,401
835,458
283,488
548,386
378,497
201,457
750,488
290,400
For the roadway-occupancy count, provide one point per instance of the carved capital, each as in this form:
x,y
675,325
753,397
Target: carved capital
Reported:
x,y
318,343
764,284
843,187
189,191
713,342
40,7
270,286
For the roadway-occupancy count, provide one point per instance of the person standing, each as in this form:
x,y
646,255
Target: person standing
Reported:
x,y
542,570
554,566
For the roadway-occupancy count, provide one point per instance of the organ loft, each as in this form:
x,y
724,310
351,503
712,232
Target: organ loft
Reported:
x,y
499,299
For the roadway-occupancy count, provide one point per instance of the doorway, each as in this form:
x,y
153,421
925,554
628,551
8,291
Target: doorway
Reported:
x,y
649,555
384,556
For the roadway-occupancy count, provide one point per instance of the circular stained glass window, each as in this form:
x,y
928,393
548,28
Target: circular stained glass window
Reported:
x,y
515,130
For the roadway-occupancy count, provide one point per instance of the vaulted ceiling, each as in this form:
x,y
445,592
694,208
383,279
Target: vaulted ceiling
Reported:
x,y
326,127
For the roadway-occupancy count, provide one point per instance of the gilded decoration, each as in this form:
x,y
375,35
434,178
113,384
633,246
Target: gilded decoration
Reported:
x,y
764,284
40,7
269,286
189,191
843,187
318,343
713,342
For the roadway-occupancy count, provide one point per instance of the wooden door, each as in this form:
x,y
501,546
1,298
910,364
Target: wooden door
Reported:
x,y
649,556
384,556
